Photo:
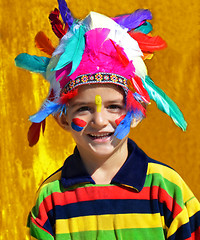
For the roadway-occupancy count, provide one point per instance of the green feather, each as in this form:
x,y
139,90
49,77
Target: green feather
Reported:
x,y
32,63
164,103
144,28
74,50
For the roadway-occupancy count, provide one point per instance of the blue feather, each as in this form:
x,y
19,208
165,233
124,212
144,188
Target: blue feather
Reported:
x,y
144,28
47,108
65,13
124,127
32,63
74,50
164,103
133,20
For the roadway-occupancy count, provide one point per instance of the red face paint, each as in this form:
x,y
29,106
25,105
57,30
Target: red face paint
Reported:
x,y
78,124
118,120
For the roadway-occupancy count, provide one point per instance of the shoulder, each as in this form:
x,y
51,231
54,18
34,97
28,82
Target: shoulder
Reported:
x,y
168,179
50,185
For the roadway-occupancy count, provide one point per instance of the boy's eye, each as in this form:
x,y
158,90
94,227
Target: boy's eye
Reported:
x,y
83,109
115,106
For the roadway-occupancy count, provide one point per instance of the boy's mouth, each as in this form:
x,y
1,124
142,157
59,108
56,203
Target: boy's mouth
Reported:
x,y
102,136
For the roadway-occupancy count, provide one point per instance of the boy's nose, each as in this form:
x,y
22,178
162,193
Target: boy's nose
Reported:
x,y
99,119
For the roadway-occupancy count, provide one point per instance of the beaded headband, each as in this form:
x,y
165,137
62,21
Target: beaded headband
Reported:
x,y
96,78
98,49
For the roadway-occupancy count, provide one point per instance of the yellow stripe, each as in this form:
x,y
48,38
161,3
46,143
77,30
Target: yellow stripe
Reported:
x,y
109,222
98,102
172,176
193,206
180,220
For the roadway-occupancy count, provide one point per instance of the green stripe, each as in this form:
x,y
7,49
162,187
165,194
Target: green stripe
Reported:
x,y
156,179
122,234
38,233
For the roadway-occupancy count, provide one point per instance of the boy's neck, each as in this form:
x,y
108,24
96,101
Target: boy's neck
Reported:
x,y
102,169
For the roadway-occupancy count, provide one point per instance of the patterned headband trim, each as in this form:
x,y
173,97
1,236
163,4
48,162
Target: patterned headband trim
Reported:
x,y
96,78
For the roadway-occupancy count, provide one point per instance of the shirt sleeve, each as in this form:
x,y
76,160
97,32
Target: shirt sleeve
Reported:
x,y
37,229
186,225
40,219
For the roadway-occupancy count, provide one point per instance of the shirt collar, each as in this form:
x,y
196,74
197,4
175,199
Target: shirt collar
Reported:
x,y
131,174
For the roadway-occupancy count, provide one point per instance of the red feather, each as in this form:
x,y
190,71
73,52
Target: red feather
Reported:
x,y
34,132
133,105
148,43
122,56
44,43
138,86
56,24
67,96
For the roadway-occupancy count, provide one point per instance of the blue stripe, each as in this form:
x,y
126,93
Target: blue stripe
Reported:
x,y
195,221
101,207
76,127
185,230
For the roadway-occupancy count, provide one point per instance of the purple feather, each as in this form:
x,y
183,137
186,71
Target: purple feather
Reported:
x,y
133,20
65,13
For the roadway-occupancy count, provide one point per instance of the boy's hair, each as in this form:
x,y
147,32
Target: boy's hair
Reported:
x,y
98,49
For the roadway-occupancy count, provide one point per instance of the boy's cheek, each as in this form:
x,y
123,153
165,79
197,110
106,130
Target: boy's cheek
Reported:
x,y
78,124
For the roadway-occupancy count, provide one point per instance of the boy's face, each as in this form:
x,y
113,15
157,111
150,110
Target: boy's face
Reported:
x,y
91,117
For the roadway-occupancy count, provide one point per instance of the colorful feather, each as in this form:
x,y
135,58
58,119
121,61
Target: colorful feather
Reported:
x,y
138,86
124,127
47,108
44,43
56,24
133,20
73,50
34,132
32,63
134,106
65,97
61,75
148,43
145,28
164,103
65,13
122,56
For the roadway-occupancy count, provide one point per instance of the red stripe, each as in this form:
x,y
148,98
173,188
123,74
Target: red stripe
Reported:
x,y
195,235
39,223
79,122
108,192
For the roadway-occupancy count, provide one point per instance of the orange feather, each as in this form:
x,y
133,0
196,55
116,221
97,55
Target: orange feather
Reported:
x,y
44,43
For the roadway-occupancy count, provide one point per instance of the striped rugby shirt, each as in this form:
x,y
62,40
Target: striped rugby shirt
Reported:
x,y
146,200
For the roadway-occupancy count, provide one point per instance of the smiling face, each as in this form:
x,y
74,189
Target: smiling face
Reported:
x,y
97,135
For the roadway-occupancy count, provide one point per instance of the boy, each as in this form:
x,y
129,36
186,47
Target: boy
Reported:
x,y
109,188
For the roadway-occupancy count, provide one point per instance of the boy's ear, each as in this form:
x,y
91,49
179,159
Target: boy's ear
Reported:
x,y
61,119
135,122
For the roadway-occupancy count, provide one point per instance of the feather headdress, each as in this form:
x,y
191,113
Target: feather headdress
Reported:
x,y
98,49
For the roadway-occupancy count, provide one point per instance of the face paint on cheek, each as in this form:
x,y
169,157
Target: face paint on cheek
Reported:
x,y
118,120
98,102
78,124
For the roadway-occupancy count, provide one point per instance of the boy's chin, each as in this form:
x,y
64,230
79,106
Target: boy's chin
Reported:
x,y
106,149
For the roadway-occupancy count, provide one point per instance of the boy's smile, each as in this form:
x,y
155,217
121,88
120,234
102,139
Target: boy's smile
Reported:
x,y
96,138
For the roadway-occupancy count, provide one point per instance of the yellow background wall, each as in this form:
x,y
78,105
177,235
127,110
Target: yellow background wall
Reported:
x,y
175,70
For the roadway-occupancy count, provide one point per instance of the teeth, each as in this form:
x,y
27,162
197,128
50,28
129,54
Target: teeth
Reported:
x,y
100,134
